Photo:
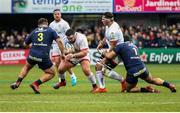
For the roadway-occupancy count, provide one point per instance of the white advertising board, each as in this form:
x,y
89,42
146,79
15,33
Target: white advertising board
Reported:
x,y
66,6
5,6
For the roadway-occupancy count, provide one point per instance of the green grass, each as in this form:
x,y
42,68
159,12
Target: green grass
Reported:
x,y
79,98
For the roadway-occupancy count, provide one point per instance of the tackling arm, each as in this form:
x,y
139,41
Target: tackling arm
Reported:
x,y
60,45
101,43
110,55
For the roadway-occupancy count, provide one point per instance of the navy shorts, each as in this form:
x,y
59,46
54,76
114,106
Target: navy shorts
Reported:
x,y
44,64
134,79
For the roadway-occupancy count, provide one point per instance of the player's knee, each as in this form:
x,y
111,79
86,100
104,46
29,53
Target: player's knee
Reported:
x,y
98,67
61,70
149,80
87,72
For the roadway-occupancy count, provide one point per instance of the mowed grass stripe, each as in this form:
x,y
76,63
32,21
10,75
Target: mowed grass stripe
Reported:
x,y
85,102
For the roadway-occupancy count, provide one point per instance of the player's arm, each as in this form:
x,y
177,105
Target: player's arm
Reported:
x,y
28,42
113,40
59,42
80,54
101,43
110,55
113,44
27,45
60,45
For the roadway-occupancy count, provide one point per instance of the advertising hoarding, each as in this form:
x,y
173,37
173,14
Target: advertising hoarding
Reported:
x,y
66,6
164,6
11,57
5,6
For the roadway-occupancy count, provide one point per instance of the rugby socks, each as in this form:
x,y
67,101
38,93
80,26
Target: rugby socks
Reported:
x,y
100,79
72,75
166,84
114,75
38,82
92,79
19,80
62,77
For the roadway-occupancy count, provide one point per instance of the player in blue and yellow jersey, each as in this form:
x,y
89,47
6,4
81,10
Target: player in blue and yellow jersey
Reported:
x,y
40,39
135,68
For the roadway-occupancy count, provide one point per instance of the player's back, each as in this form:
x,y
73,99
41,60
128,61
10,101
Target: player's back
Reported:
x,y
129,54
41,39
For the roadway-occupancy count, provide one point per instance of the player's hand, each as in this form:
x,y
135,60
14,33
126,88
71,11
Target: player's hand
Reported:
x,y
62,57
99,46
69,56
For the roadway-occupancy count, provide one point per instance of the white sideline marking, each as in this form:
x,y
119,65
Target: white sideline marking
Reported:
x,y
56,102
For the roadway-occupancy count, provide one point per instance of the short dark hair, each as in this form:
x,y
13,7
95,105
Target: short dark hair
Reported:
x,y
108,15
42,20
56,10
70,32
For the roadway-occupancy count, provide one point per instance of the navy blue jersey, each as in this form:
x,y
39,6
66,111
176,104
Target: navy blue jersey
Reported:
x,y
128,52
41,39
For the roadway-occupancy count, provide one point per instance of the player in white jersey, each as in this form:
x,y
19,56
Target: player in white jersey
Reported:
x,y
60,26
77,53
113,37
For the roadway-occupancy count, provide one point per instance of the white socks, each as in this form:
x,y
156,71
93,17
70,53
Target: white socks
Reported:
x,y
114,75
92,78
100,79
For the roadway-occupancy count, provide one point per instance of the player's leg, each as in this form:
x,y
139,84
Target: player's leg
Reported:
x,y
55,53
107,70
55,57
111,64
49,71
73,77
85,65
24,71
131,87
99,73
63,67
48,75
159,82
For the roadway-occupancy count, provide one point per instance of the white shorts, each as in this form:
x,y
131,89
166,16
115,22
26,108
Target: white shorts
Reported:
x,y
75,61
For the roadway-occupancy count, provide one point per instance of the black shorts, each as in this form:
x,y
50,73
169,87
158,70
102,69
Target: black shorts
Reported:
x,y
134,79
44,64
110,63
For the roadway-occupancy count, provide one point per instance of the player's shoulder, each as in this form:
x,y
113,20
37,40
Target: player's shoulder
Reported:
x,y
115,26
81,36
53,22
64,21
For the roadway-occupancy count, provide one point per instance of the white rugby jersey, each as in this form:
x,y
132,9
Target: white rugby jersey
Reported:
x,y
81,42
60,27
114,33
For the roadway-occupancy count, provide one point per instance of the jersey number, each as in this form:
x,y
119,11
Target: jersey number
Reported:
x,y
40,37
135,51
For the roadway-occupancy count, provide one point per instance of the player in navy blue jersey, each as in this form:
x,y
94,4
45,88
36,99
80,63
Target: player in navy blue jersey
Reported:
x,y
135,68
40,39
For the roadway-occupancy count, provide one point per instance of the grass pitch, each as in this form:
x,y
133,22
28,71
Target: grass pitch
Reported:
x,y
79,98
